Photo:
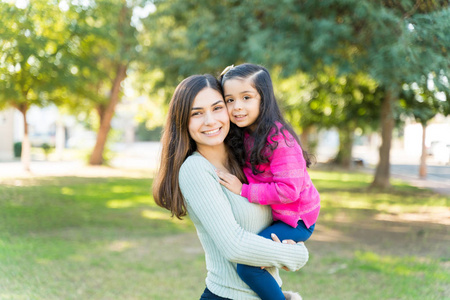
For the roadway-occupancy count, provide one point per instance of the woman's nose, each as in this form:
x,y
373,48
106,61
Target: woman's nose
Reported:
x,y
209,119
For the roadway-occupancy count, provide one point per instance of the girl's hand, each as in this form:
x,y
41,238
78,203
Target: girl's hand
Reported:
x,y
229,181
276,239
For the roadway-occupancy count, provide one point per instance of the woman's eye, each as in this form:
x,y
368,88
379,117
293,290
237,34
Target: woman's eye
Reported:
x,y
218,107
195,114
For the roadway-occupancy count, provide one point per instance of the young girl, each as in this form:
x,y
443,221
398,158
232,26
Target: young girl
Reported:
x,y
273,161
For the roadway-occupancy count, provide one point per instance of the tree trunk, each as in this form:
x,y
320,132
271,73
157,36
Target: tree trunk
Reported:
x,y
382,173
25,156
423,157
106,117
305,138
344,156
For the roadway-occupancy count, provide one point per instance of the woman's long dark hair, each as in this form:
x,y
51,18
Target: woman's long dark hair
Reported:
x,y
177,144
266,123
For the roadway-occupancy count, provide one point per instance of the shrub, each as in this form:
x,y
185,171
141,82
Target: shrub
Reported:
x,y
17,149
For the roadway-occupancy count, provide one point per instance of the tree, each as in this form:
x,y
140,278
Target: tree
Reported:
x,y
105,46
421,49
393,42
423,102
32,62
328,100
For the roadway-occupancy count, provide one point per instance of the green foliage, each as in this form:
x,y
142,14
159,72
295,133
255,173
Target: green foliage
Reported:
x,y
332,61
330,100
47,149
423,101
101,39
144,134
17,149
367,36
33,68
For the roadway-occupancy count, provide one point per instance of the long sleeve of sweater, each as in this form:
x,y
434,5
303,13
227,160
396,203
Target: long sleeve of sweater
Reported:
x,y
205,197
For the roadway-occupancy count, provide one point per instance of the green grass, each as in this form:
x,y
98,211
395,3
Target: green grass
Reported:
x,y
104,238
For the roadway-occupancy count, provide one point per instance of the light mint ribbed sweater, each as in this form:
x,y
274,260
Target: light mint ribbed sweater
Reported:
x,y
226,225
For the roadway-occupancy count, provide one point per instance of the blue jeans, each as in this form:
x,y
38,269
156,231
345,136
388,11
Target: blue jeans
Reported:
x,y
259,280
208,295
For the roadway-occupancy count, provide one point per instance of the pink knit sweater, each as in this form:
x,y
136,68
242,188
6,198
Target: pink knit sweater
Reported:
x,y
285,184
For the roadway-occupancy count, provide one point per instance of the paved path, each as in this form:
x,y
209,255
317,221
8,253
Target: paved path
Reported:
x,y
143,157
438,177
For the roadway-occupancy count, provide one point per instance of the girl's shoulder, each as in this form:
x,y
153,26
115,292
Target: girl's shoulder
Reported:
x,y
279,133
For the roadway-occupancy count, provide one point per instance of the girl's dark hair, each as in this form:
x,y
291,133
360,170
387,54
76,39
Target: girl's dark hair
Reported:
x,y
177,144
266,123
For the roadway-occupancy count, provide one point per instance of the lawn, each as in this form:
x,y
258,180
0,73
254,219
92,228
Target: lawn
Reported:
x,y
104,238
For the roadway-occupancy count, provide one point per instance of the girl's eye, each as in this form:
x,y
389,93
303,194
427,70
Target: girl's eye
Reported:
x,y
229,100
246,97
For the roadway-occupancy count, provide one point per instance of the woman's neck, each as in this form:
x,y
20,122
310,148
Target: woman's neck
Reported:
x,y
216,155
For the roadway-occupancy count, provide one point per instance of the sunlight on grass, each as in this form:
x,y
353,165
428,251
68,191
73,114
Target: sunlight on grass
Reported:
x,y
120,246
120,203
339,176
122,189
160,215
132,202
43,261
77,258
400,266
67,191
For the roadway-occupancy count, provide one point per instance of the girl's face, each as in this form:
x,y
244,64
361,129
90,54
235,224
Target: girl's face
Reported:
x,y
243,102
208,122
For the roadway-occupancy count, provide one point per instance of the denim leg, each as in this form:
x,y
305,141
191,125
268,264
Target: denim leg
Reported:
x,y
261,282
285,232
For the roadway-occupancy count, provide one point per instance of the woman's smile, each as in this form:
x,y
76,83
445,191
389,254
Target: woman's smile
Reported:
x,y
212,132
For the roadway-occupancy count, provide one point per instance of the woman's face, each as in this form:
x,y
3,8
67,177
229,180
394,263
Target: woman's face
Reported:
x,y
208,122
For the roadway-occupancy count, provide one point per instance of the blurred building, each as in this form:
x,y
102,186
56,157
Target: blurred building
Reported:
x,y
7,134
437,139
48,126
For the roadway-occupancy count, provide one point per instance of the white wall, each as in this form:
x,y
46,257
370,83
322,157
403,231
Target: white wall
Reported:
x,y
6,134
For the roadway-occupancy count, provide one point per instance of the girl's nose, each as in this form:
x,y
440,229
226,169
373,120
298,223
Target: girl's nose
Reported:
x,y
237,105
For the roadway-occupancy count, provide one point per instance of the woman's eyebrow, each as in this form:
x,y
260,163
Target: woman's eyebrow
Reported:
x,y
215,103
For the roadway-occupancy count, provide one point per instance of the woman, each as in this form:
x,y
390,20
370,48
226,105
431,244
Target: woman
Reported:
x,y
192,149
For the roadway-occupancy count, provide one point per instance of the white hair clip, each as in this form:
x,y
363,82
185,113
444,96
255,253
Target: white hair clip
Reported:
x,y
226,70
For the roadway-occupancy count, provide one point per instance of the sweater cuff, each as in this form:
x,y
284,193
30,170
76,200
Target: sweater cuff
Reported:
x,y
244,191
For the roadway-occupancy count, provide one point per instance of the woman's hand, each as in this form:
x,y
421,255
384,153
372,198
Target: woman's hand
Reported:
x,y
276,239
229,181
